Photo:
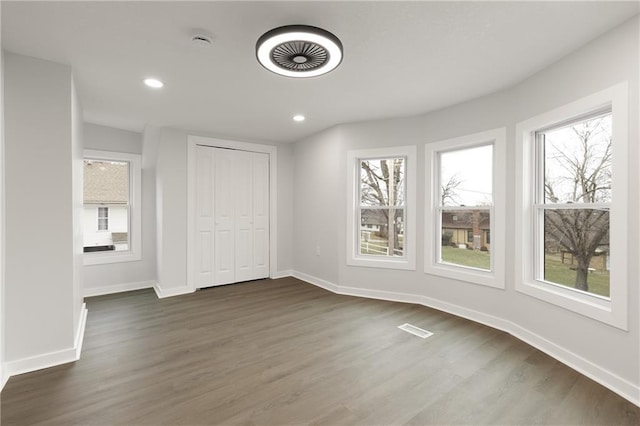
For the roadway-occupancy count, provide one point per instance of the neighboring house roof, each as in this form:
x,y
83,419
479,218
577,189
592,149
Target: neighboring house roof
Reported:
x,y
464,220
106,182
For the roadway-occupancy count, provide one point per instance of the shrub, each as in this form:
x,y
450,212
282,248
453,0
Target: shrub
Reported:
x,y
454,245
484,248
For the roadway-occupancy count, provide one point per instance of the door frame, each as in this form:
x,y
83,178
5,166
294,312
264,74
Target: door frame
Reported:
x,y
192,142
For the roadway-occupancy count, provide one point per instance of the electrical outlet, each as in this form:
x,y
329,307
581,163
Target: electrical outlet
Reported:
x,y
317,250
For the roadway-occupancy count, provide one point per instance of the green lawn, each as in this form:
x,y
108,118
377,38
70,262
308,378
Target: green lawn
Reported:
x,y
557,272
464,257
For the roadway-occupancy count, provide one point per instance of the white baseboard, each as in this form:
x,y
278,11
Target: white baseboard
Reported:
x,y
170,292
617,384
317,282
3,376
117,288
282,274
51,359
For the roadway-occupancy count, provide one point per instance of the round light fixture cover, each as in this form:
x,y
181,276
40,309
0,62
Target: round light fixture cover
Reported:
x,y
299,51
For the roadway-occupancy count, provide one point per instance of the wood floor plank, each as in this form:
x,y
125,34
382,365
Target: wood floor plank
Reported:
x,y
276,352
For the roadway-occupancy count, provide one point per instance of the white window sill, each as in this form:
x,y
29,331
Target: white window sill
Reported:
x,y
591,306
468,275
102,258
386,263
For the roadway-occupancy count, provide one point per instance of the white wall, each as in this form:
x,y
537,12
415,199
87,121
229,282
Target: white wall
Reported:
x,y
171,204
104,138
41,145
606,353
2,215
77,179
114,277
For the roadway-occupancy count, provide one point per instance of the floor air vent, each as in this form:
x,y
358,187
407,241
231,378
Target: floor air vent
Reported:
x,y
417,331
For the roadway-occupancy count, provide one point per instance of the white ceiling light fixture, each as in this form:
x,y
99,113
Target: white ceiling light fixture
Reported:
x,y
298,118
299,51
153,83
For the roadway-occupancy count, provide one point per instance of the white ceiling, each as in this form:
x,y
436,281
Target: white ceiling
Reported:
x,y
400,58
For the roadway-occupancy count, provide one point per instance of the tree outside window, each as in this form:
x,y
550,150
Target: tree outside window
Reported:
x,y
573,204
382,207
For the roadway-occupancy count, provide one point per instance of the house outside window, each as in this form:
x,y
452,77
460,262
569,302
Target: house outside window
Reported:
x,y
111,194
381,214
465,203
571,213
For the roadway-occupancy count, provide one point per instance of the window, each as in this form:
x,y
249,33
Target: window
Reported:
x,y
111,194
103,218
381,208
465,202
572,207
571,218
381,222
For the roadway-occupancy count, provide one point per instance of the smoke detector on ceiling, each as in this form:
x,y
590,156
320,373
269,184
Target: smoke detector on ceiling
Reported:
x,y
299,51
201,40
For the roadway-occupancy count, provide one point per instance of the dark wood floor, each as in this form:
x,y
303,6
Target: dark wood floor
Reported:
x,y
285,352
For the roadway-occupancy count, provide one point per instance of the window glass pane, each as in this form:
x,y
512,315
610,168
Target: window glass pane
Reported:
x,y
577,162
382,232
106,196
465,238
466,176
382,182
576,249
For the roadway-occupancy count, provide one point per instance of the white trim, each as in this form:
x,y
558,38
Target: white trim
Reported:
x,y
117,288
495,277
170,292
408,261
282,274
135,210
608,379
4,378
272,151
51,359
318,282
613,312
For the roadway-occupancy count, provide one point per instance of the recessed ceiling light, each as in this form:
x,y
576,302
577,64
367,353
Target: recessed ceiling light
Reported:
x,y
298,117
299,51
153,82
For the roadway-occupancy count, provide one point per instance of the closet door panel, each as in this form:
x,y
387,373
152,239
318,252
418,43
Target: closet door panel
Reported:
x,y
260,216
224,213
243,169
204,275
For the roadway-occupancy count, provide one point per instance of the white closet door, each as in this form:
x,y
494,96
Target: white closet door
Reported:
x,y
260,215
243,168
204,275
232,216
224,212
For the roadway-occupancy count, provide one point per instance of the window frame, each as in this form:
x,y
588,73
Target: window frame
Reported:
x,y
408,261
433,218
612,310
135,210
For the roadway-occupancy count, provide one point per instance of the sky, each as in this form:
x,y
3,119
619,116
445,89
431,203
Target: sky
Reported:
x,y
473,168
